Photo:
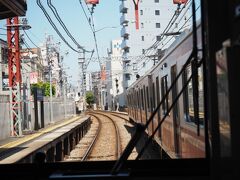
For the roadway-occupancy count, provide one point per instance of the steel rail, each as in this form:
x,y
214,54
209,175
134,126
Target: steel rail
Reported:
x,y
118,143
90,148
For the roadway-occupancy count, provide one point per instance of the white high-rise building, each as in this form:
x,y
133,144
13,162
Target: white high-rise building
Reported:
x,y
114,71
140,33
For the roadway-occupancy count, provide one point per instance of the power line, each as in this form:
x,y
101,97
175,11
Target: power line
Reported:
x,y
54,26
166,30
55,12
92,28
30,38
88,19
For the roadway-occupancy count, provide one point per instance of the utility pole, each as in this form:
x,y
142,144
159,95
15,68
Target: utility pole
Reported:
x,y
50,78
82,74
64,97
51,94
14,70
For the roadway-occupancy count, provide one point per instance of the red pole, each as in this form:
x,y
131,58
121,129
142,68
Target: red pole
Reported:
x,y
137,15
13,51
14,71
136,3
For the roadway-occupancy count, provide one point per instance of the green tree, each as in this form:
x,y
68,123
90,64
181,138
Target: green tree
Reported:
x,y
90,98
45,86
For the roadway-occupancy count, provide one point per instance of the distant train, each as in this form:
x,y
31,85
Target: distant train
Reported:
x,y
181,135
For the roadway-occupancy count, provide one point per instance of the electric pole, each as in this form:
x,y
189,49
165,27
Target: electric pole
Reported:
x,y
14,71
82,74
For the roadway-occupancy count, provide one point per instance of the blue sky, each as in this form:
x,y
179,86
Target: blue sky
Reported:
x,y
106,15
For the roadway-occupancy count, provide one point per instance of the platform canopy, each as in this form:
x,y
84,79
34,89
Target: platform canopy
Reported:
x,y
12,8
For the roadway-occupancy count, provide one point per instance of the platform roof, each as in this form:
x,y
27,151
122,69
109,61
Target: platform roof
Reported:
x,y
11,8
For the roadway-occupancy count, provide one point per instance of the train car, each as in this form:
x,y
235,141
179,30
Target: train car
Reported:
x,y
180,135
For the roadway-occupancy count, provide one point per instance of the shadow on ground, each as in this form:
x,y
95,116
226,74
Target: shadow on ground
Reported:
x,y
153,150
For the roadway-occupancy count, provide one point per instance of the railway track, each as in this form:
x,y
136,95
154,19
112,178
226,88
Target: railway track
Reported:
x,y
84,148
106,143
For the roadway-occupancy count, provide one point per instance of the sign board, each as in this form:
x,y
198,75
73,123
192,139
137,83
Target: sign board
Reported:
x,y
39,94
33,77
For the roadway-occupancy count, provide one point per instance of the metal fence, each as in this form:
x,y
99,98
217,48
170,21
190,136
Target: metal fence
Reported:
x,y
4,117
28,114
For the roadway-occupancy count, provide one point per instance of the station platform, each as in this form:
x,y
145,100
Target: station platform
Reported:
x,y
14,149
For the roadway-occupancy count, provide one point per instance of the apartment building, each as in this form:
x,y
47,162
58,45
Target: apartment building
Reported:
x,y
142,24
114,68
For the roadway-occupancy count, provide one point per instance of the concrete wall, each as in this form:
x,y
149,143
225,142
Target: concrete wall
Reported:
x,y
58,111
4,117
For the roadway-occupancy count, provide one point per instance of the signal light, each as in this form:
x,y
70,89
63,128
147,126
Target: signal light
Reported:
x,y
117,85
180,1
94,2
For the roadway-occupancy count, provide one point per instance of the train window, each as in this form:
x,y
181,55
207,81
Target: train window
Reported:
x,y
138,99
142,99
188,100
164,88
148,105
153,101
145,102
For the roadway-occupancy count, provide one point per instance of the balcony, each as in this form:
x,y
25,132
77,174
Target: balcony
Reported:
x,y
125,45
122,8
12,8
124,32
123,19
127,69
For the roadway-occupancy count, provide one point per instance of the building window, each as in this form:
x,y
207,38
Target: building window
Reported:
x,y
157,25
127,77
142,25
135,66
156,1
158,38
142,38
141,12
144,64
157,12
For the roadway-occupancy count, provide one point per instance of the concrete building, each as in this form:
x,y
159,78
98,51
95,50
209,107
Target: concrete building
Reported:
x,y
96,78
139,34
89,85
32,65
114,69
51,59
3,67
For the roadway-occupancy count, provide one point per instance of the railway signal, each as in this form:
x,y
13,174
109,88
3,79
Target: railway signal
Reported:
x,y
93,2
116,80
180,1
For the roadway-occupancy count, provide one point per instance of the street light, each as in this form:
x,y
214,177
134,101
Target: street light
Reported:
x,y
108,27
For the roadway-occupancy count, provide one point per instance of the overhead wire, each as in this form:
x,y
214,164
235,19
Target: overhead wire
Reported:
x,y
56,14
155,45
92,26
30,38
88,20
54,26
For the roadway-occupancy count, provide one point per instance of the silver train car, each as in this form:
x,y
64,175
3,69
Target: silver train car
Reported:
x,y
180,135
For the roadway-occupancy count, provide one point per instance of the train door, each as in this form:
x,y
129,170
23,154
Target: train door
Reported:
x,y
176,120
